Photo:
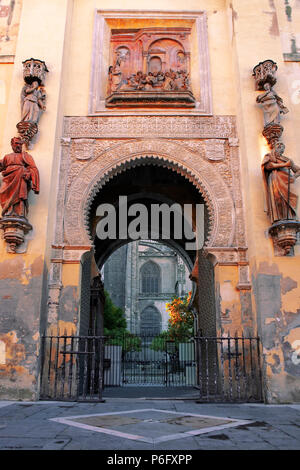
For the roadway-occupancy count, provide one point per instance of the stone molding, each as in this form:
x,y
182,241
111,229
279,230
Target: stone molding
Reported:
x,y
183,127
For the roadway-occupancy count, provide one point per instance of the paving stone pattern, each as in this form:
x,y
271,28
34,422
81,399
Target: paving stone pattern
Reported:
x,y
30,425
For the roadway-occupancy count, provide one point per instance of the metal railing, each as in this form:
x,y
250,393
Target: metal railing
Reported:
x,y
229,368
222,368
72,368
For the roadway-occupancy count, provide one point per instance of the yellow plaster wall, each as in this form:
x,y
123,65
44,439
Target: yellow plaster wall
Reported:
x,y
6,71
24,274
256,37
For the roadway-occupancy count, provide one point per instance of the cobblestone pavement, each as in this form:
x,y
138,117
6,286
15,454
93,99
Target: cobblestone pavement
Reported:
x,y
130,422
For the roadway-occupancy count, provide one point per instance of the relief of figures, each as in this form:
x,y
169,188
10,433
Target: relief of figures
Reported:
x,y
155,81
150,66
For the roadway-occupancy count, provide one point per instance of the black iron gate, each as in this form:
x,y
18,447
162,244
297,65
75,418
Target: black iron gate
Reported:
x,y
77,368
150,359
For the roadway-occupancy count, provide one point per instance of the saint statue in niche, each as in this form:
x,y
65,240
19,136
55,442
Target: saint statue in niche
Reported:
x,y
20,174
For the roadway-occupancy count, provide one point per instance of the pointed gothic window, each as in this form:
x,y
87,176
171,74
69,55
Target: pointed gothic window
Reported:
x,y
150,323
150,278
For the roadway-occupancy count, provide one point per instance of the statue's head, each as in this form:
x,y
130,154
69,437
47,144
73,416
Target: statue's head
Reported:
x,y
279,148
16,144
267,86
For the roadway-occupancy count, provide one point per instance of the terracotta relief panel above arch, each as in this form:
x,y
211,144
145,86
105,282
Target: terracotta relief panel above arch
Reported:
x,y
144,60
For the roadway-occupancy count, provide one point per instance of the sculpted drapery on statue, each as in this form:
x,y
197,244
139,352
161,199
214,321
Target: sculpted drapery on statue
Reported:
x,y
33,98
20,174
277,169
19,171
272,105
281,201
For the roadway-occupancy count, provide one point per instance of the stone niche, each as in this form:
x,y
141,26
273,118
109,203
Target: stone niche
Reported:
x,y
143,60
150,67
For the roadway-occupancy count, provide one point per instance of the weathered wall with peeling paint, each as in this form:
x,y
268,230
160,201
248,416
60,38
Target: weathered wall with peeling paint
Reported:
x,y
255,37
240,34
23,277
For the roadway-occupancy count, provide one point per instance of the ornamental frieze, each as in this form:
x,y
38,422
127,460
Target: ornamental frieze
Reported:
x,y
204,127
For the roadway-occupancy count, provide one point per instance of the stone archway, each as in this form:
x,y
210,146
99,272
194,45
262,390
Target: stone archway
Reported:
x,y
108,164
96,150
92,160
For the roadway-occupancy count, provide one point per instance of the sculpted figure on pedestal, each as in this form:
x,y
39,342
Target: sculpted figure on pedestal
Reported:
x,y
281,201
277,168
272,105
33,99
20,174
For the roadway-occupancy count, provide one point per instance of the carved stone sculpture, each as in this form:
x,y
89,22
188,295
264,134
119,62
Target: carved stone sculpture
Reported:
x,y
33,98
272,105
281,201
19,176
150,68
276,167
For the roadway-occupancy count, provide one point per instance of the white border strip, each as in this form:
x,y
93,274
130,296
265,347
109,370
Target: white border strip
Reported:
x,y
69,421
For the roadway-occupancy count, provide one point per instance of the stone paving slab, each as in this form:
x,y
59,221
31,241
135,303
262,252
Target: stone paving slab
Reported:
x,y
29,426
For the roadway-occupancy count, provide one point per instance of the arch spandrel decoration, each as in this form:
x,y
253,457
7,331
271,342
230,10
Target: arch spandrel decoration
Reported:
x,y
161,152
